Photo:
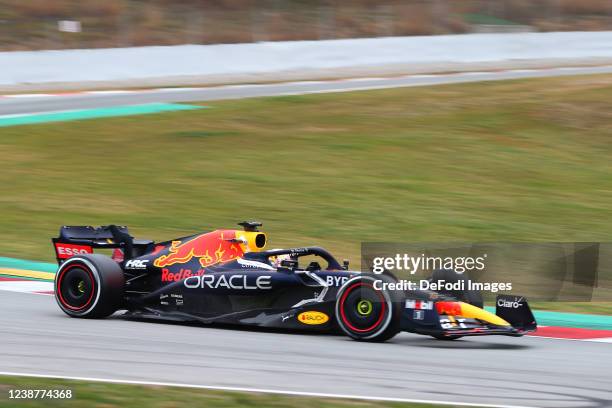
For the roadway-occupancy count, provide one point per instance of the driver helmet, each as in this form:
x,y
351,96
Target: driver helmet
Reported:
x,y
278,260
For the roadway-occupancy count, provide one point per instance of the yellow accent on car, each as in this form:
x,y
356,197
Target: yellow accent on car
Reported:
x,y
473,312
253,241
313,317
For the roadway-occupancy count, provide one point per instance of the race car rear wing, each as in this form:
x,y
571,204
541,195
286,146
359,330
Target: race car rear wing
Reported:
x,y
75,240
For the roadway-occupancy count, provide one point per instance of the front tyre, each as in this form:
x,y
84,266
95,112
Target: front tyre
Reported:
x,y
89,286
366,313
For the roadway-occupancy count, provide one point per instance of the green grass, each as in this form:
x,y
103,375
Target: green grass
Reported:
x,y
105,395
595,308
521,161
499,161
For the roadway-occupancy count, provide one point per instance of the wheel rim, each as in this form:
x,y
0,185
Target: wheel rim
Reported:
x,y
76,287
362,308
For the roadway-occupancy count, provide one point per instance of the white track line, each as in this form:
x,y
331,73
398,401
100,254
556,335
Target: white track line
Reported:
x,y
258,390
170,89
26,286
365,79
604,340
475,73
110,92
421,76
307,83
524,71
34,95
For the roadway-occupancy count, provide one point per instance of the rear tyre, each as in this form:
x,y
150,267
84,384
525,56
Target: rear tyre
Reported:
x,y
89,286
368,314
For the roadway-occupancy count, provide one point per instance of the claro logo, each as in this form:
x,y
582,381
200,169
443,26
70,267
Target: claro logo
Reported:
x,y
239,282
313,318
515,304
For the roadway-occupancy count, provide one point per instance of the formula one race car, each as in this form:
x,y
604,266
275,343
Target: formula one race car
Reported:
x,y
226,276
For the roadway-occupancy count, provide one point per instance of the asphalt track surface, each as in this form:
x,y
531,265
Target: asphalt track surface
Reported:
x,y
37,338
103,99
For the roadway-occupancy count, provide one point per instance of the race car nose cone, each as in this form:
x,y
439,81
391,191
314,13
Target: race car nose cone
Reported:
x,y
469,311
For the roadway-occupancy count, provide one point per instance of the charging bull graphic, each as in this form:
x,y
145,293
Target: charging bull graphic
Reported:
x,y
211,248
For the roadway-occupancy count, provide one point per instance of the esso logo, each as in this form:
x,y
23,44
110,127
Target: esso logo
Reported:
x,y
313,318
72,251
67,250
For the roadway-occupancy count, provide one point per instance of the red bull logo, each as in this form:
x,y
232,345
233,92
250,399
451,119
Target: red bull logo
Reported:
x,y
211,248
169,276
449,308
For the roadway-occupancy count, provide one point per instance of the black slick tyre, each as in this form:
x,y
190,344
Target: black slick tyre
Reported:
x,y
89,286
366,313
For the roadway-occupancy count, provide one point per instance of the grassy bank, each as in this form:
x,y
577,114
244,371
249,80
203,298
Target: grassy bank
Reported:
x,y
104,395
499,161
596,308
